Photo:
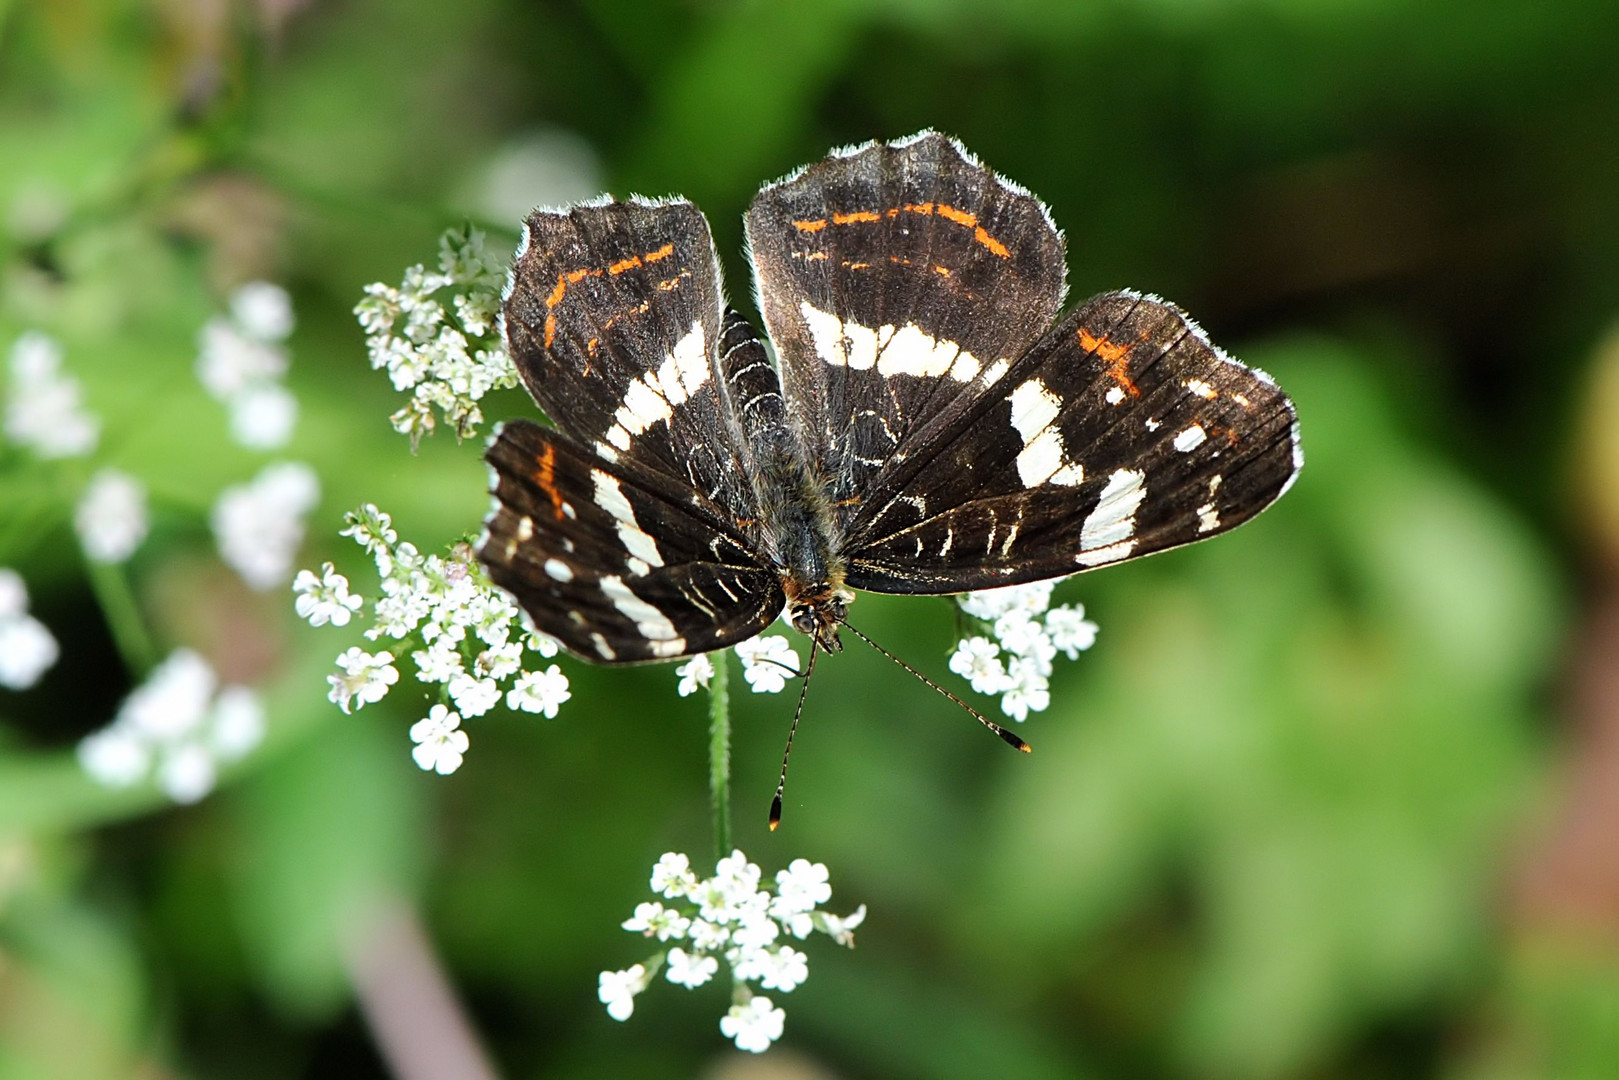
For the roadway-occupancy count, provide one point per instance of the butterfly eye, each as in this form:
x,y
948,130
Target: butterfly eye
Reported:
x,y
804,620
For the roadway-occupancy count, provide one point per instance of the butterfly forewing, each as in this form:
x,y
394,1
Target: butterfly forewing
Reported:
x,y
896,281
615,562
613,319
1122,433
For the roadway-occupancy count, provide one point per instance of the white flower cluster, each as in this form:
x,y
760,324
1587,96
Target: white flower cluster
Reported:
x,y
260,525
461,632
767,663
111,516
27,649
176,726
43,408
448,354
729,917
1019,622
241,361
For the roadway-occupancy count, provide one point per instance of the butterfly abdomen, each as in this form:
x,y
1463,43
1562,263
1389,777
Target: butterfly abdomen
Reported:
x,y
795,522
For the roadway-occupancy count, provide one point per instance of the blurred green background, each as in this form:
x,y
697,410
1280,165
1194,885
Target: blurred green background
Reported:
x,y
1335,796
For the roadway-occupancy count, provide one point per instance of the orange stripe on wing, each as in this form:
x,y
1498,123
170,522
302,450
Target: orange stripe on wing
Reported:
x,y
574,277
1115,356
994,245
545,476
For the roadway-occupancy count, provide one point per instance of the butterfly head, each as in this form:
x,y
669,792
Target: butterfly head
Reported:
x,y
818,609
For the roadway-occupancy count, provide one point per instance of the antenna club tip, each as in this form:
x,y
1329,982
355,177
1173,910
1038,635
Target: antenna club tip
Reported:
x,y
1025,747
775,813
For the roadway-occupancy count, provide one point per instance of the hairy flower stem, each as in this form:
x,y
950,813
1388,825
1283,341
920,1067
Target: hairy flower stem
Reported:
x,y
719,754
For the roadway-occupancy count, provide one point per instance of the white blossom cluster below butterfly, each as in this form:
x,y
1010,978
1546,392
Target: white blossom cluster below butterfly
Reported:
x,y
737,918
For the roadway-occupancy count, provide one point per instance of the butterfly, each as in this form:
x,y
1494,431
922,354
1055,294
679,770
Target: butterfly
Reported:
x,y
919,418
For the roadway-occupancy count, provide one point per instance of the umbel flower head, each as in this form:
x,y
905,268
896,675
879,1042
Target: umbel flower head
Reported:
x,y
1019,622
736,919
437,336
178,727
462,636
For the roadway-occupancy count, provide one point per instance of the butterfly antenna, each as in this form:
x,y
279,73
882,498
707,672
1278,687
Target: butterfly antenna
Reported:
x,y
803,692
1006,736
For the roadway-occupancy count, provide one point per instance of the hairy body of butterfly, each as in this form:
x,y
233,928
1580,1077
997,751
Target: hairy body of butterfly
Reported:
x,y
929,425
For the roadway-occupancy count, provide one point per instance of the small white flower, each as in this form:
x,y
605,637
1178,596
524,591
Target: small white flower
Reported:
x,y
187,773
1070,630
1028,690
754,932
800,924
263,415
500,661
13,593
259,525
43,410
841,929
1024,637
173,701
690,970
229,360
617,990
440,661
399,611
114,757
324,599
696,672
672,876
762,659
731,890
236,723
111,516
803,885
474,696
783,969
365,678
440,746
655,920
540,692
977,659
707,936
544,644
35,358
739,876
753,1026
263,310
371,528
991,604
27,651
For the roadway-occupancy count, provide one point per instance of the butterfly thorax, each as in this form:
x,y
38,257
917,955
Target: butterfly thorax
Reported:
x,y
795,516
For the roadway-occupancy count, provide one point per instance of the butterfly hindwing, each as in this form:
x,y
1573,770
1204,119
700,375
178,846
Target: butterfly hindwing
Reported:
x,y
613,318
896,280
614,561
1122,433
